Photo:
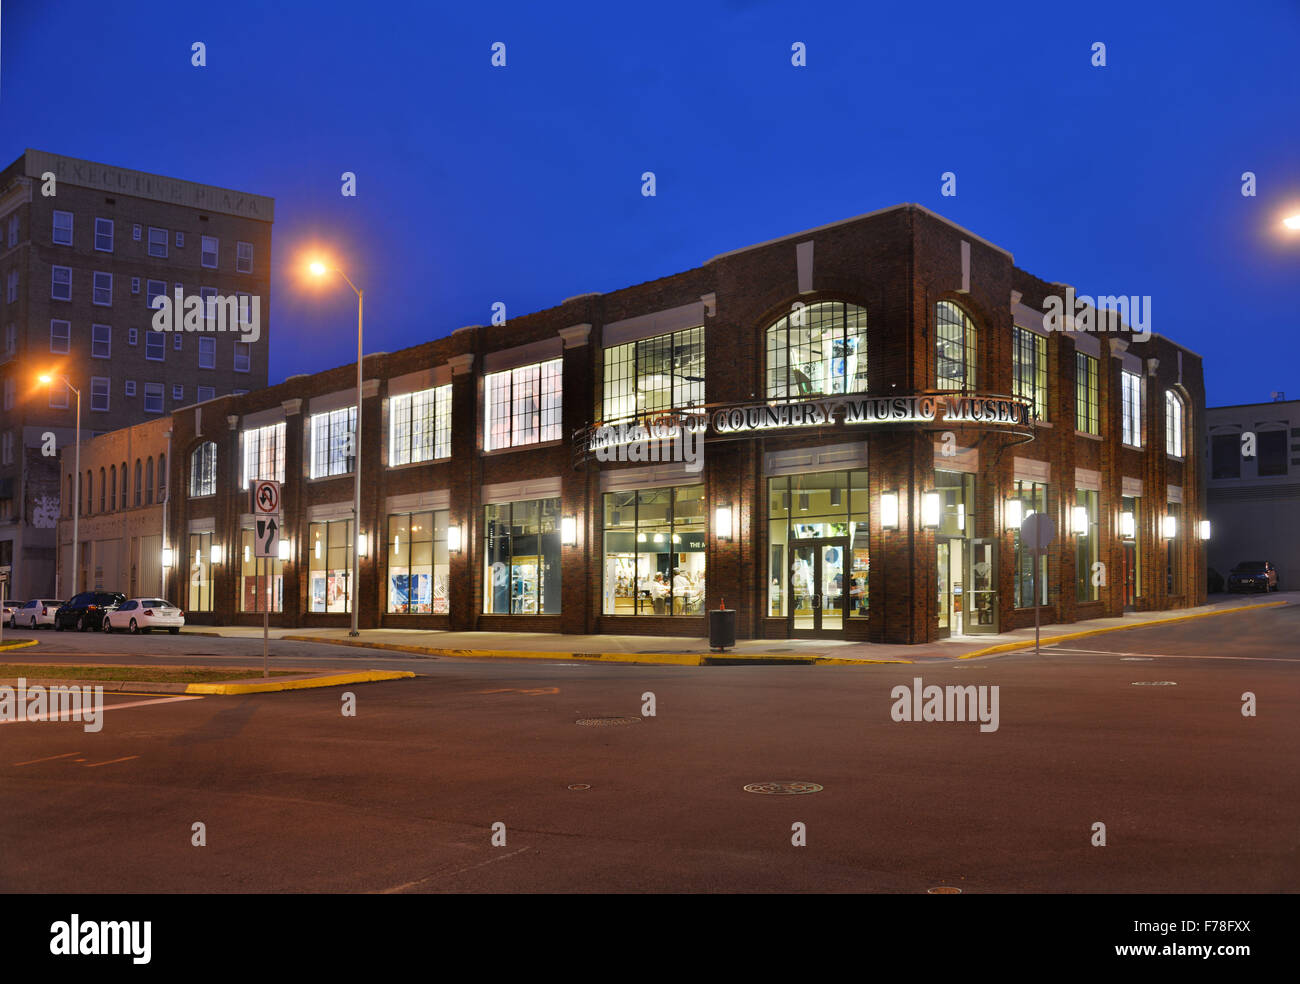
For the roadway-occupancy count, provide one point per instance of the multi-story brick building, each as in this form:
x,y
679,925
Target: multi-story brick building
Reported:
x,y
877,402
84,248
1254,486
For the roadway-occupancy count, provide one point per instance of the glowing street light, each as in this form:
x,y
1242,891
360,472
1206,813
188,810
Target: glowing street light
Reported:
x,y
1292,221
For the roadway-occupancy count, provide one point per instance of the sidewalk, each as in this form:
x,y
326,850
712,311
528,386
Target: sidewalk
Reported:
x,y
691,650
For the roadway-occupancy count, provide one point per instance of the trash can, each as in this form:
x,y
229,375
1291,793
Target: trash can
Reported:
x,y
722,628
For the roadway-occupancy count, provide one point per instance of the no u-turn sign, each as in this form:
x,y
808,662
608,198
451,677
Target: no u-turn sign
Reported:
x,y
266,498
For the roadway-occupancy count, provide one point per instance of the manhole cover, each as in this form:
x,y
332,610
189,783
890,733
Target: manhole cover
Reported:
x,y
606,722
943,890
1154,683
580,785
783,788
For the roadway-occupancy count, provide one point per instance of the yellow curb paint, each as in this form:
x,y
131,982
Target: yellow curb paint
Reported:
x,y
1009,646
22,644
271,686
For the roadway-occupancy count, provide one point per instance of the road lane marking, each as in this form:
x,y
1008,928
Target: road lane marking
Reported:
x,y
451,874
48,758
125,758
71,715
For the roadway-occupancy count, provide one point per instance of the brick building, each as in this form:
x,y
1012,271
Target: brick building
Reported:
x,y
877,402
81,256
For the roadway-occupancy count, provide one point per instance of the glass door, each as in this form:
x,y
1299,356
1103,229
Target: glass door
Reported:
x,y
831,584
945,599
1130,574
982,599
817,585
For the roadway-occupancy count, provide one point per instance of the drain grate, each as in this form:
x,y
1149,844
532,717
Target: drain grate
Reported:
x,y
792,788
580,785
606,722
943,890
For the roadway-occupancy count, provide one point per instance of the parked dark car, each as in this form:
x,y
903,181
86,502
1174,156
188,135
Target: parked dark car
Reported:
x,y
87,610
1213,581
1253,575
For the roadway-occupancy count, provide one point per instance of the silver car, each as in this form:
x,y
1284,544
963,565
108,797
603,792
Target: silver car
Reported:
x,y
37,613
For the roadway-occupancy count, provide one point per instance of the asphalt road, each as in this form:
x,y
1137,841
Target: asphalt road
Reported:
x,y
402,797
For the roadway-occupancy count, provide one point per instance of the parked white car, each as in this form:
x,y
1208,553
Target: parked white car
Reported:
x,y
10,609
145,615
37,613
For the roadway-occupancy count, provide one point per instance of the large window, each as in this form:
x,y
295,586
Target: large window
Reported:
x,y
200,562
333,448
1086,546
522,558
1225,456
818,537
654,551
261,579
418,569
954,347
1173,424
419,426
1130,385
1033,499
817,349
523,405
1029,369
203,470
264,454
329,565
1131,506
1271,448
654,374
1086,418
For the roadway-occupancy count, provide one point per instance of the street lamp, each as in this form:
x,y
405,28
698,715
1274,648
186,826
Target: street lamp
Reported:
x,y
1292,221
319,269
48,379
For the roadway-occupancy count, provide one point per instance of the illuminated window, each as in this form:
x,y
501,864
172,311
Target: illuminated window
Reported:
x,y
954,347
817,349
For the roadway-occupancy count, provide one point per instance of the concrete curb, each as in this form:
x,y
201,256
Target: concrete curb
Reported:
x,y
1010,646
662,659
19,644
274,686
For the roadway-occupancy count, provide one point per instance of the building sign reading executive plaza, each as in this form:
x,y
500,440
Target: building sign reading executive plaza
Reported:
x,y
946,410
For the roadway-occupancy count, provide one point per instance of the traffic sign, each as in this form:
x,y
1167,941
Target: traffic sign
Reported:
x,y
1037,532
266,537
266,498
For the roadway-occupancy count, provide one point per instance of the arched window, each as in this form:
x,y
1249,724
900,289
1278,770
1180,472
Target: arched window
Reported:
x,y
137,481
1175,418
112,488
203,470
954,348
162,477
89,499
148,481
103,490
125,483
67,502
816,349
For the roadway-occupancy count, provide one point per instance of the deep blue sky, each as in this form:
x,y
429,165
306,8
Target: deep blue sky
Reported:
x,y
522,184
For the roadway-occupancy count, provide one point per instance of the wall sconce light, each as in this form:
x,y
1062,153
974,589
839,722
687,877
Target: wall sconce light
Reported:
x,y
168,557
215,554
889,510
722,522
1127,525
285,550
1015,513
931,509
1079,520
568,530
454,537
1204,529
363,545
1169,527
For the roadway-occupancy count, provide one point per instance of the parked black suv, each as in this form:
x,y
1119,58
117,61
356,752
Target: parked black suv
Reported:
x,y
86,610
1253,575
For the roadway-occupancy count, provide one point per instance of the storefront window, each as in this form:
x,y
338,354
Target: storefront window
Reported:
x,y
1174,550
1086,547
1033,499
654,551
200,572
329,565
522,558
654,374
261,580
957,503
417,563
819,587
1131,506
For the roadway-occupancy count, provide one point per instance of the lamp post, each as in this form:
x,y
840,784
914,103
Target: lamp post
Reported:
x,y
76,488
319,269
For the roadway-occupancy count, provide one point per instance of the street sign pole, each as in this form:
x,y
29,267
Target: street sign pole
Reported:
x,y
266,626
